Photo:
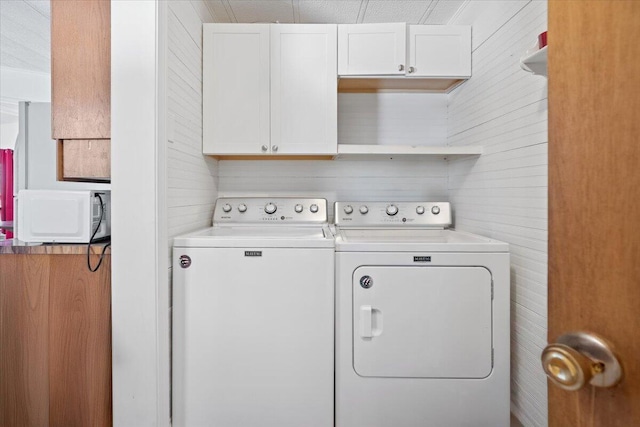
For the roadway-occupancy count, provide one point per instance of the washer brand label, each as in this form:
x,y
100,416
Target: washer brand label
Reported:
x,y
252,253
421,259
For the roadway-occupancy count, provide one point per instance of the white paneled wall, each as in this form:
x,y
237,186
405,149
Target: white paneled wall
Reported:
x,y
337,180
192,177
392,118
386,118
503,193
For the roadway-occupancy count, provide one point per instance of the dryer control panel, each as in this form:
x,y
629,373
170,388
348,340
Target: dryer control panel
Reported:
x,y
272,210
401,214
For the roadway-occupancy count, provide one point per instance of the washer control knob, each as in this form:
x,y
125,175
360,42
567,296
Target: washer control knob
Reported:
x,y
242,207
420,210
435,210
313,208
392,210
226,208
348,209
298,208
270,208
364,209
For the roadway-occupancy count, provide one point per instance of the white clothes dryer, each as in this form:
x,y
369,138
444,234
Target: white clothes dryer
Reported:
x,y
422,319
253,317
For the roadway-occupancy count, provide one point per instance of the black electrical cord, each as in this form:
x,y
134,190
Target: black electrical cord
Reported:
x,y
91,241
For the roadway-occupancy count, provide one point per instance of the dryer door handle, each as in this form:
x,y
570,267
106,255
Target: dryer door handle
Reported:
x,y
366,321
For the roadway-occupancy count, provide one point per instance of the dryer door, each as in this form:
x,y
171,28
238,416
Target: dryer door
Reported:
x,y
422,322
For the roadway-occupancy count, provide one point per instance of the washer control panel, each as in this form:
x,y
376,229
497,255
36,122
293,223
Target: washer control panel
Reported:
x,y
262,210
407,214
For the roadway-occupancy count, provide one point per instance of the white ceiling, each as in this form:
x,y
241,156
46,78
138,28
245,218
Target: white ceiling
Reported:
x,y
25,35
335,11
25,29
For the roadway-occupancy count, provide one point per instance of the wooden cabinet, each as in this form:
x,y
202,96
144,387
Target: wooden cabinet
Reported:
x,y
372,49
270,90
375,57
81,83
55,336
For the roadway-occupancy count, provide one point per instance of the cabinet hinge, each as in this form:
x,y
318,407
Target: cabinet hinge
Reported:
x,y
491,289
492,352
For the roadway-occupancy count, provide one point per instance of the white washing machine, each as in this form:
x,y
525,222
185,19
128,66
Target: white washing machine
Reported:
x,y
253,317
422,319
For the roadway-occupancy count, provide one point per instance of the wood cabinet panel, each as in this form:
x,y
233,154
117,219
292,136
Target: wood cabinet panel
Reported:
x,y
24,310
79,343
82,160
55,341
81,69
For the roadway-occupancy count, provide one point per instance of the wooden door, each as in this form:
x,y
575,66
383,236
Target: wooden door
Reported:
x,y
236,89
594,197
372,49
304,89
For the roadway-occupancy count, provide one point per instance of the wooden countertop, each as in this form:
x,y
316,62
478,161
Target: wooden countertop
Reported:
x,y
14,246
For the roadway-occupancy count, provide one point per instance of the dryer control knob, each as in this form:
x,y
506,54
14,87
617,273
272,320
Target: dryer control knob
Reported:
x,y
420,210
298,208
348,209
392,210
313,208
242,208
435,210
364,209
270,208
226,208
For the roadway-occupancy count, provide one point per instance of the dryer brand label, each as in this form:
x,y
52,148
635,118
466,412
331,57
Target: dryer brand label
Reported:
x,y
421,259
252,253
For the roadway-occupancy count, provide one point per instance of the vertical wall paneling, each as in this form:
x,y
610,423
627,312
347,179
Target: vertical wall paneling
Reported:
x,y
503,193
190,187
191,177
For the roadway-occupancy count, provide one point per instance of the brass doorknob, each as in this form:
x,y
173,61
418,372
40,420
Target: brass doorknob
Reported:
x,y
581,358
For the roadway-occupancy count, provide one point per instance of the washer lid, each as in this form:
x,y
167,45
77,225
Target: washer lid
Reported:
x,y
243,236
413,240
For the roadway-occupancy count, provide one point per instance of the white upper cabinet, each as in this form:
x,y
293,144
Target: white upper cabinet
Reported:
x,y
372,49
384,50
304,89
270,89
236,88
439,51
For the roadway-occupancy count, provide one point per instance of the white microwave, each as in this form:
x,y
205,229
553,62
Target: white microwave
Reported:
x,y
52,216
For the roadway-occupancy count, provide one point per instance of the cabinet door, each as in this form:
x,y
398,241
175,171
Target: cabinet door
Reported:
x,y
439,51
81,69
304,89
372,49
235,88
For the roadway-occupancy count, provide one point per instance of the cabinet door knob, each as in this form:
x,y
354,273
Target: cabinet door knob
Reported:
x,y
400,67
274,148
264,148
411,70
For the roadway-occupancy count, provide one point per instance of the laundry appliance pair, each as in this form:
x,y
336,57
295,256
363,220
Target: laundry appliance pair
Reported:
x,y
389,318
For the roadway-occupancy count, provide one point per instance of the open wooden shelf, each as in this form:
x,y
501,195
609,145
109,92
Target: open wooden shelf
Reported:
x,y
535,62
354,84
351,151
